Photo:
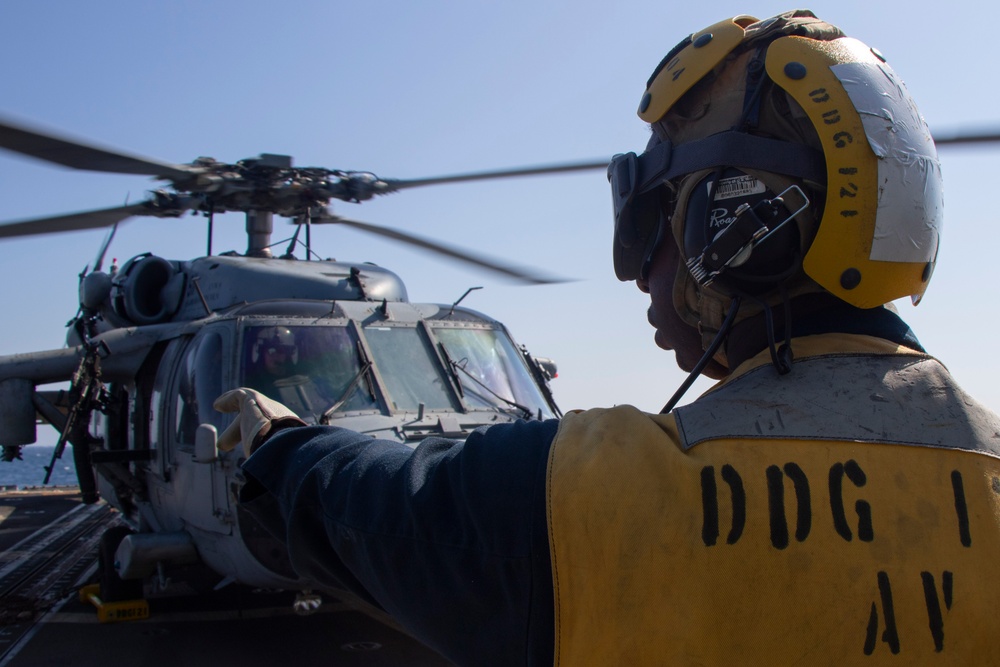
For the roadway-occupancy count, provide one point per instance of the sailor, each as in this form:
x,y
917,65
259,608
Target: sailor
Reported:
x,y
272,357
833,500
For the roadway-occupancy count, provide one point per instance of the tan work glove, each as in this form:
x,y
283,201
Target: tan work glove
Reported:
x,y
258,415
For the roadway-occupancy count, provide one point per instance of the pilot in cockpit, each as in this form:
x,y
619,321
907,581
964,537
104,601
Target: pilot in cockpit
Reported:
x,y
273,357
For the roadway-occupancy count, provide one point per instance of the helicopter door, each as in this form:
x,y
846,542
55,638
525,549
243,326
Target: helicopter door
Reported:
x,y
196,490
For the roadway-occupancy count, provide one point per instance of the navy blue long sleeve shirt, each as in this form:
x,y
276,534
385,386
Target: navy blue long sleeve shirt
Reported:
x,y
450,538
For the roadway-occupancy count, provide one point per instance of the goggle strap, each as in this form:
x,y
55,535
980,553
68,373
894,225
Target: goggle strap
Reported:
x,y
665,161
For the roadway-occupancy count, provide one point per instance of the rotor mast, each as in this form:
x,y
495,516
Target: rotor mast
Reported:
x,y
260,224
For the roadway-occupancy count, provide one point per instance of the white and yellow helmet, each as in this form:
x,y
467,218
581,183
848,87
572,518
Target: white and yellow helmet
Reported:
x,y
789,112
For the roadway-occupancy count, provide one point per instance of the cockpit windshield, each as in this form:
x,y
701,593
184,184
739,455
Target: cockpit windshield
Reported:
x,y
320,371
309,369
410,369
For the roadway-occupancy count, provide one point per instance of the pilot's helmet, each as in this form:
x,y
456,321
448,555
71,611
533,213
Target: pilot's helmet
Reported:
x,y
271,340
782,120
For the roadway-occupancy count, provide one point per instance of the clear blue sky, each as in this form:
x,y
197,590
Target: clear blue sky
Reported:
x,y
413,89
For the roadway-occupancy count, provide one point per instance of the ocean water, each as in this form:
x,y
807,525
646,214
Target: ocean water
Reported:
x,y
31,470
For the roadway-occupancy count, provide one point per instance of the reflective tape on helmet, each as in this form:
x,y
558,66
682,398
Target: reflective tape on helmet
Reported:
x,y
706,49
842,258
907,159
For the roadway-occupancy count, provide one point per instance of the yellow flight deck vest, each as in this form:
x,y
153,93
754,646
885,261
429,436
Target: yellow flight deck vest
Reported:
x,y
847,513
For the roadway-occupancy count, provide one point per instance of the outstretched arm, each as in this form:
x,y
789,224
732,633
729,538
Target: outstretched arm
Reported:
x,y
449,538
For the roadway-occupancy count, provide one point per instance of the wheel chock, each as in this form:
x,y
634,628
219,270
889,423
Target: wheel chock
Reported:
x,y
114,612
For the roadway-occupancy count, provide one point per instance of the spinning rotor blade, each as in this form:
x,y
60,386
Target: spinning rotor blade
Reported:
x,y
402,184
72,153
953,139
520,274
104,217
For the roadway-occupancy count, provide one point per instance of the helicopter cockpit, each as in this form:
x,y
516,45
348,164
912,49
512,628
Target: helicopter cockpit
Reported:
x,y
440,372
325,372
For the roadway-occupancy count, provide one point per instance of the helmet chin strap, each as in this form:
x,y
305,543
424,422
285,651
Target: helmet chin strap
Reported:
x,y
781,357
720,337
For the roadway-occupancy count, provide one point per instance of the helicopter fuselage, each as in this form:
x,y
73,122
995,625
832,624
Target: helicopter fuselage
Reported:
x,y
337,343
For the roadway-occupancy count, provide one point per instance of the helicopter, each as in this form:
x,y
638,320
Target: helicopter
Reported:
x,y
156,340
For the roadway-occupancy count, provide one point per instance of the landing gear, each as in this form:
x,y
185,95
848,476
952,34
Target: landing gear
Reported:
x,y
112,587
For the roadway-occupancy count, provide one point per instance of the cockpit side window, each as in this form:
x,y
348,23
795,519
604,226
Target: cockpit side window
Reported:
x,y
208,381
492,371
199,383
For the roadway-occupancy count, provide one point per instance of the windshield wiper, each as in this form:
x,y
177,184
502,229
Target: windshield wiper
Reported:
x,y
456,380
339,403
363,374
454,367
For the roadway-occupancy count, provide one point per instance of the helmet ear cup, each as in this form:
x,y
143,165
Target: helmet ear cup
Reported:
x,y
712,207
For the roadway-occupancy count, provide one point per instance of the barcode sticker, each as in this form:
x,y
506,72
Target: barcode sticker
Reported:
x,y
738,186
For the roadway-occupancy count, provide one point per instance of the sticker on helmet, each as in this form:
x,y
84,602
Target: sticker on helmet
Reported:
x,y
911,204
736,186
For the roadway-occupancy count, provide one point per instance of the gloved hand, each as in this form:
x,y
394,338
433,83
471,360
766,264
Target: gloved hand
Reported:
x,y
257,418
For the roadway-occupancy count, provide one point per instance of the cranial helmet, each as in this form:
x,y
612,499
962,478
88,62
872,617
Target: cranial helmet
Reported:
x,y
275,338
787,159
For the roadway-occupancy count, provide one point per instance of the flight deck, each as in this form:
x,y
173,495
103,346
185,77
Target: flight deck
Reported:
x,y
48,552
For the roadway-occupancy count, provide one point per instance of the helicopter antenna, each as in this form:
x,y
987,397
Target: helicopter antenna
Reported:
x,y
461,298
201,295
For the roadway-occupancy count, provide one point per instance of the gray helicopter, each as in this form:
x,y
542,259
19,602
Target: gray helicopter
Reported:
x,y
155,341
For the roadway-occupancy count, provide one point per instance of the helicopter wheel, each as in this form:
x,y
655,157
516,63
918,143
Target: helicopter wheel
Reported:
x,y
113,587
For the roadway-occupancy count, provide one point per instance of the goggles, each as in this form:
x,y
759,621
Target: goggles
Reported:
x,y
636,179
